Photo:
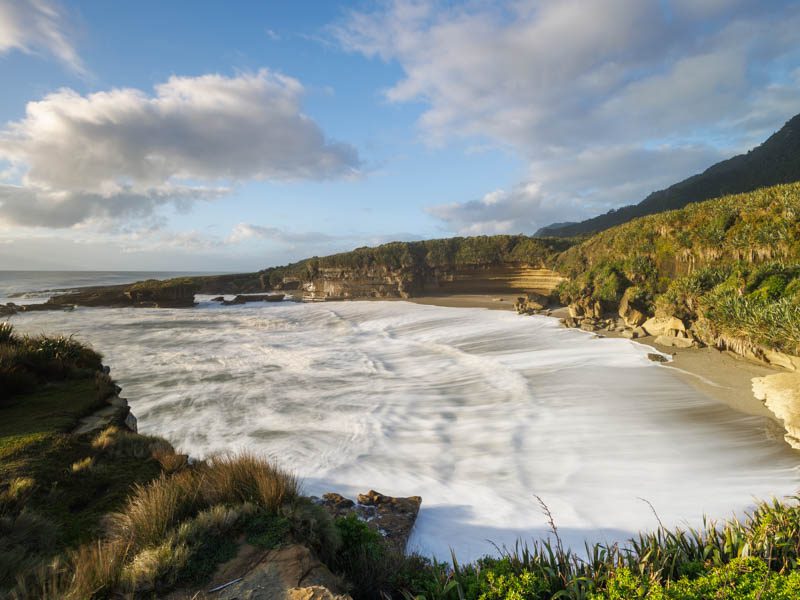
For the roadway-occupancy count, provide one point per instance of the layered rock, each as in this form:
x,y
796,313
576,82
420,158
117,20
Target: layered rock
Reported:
x,y
781,395
145,294
116,412
531,303
385,282
288,573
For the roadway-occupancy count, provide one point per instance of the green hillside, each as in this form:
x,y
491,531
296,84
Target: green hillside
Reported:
x,y
731,265
775,161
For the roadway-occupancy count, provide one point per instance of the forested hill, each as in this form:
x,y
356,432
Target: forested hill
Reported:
x,y
775,161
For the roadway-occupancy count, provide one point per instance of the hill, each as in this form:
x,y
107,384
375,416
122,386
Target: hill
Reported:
x,y
728,268
775,161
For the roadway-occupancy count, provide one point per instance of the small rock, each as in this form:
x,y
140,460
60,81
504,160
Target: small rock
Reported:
x,y
657,357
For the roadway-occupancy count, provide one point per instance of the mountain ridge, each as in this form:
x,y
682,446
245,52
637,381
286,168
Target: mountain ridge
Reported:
x,y
775,161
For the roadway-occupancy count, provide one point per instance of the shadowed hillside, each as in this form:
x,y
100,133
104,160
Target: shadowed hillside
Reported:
x,y
775,161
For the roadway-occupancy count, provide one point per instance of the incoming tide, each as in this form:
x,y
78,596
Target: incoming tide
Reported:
x,y
476,411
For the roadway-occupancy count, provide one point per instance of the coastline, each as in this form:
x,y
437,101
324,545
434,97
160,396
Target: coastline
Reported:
x,y
721,375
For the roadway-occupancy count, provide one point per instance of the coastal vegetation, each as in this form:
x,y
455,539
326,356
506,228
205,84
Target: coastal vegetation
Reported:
x,y
731,266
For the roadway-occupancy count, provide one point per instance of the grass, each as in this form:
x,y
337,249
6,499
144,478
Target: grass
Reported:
x,y
63,485
26,362
731,264
756,557
176,528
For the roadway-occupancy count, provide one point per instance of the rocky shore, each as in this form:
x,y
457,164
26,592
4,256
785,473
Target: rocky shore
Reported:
x,y
753,379
288,572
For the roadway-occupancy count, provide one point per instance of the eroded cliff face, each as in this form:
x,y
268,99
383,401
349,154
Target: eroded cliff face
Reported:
x,y
382,282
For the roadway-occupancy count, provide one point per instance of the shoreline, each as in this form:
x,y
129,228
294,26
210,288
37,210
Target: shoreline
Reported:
x,y
720,375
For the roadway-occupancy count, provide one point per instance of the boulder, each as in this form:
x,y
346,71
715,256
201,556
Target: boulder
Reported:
x,y
531,303
631,314
288,573
656,326
660,358
674,342
392,517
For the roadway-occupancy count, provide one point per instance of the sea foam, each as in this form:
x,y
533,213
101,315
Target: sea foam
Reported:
x,y
476,411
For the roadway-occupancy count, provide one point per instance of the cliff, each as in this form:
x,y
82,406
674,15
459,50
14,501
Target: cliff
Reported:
x,y
383,282
501,264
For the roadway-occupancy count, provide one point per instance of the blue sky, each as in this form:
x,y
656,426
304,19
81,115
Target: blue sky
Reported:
x,y
234,136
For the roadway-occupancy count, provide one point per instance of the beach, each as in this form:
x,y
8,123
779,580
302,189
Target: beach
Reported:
x,y
722,375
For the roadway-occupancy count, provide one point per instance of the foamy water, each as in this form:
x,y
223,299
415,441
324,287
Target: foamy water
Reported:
x,y
477,411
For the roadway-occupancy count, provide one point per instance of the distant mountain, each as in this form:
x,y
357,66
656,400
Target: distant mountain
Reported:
x,y
775,161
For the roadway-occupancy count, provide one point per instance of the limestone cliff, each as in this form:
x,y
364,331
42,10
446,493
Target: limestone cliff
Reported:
x,y
385,282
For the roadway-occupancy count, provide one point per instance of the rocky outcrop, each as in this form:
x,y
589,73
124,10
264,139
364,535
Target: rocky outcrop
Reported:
x,y
6,310
288,573
532,303
781,395
244,299
630,311
163,294
384,282
392,517
144,294
116,412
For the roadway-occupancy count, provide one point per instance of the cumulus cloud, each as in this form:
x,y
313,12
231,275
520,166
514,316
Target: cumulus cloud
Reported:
x,y
37,26
247,231
560,79
124,152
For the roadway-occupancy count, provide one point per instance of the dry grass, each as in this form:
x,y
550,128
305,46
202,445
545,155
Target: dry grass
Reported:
x,y
247,478
117,442
167,527
83,465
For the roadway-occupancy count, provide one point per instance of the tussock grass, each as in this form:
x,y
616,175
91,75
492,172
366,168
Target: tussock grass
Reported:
x,y
117,443
26,361
175,528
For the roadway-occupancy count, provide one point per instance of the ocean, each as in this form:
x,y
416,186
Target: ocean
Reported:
x,y
476,411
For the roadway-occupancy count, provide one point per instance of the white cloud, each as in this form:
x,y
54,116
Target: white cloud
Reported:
x,y
564,82
246,231
36,26
123,152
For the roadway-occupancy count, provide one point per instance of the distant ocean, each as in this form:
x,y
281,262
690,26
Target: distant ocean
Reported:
x,y
38,285
474,410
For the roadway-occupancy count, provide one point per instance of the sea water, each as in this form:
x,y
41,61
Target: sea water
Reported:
x,y
479,412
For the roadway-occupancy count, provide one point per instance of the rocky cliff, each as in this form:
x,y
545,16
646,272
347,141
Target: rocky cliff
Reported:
x,y
385,282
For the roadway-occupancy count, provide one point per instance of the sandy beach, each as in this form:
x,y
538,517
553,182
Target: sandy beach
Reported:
x,y
723,376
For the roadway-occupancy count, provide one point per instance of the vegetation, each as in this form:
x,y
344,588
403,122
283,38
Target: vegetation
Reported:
x,y
27,361
420,257
774,162
161,285
733,264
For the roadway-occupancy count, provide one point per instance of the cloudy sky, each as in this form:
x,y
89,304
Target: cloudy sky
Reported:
x,y
230,136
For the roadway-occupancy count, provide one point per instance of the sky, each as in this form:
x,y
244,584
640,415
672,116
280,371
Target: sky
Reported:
x,y
230,136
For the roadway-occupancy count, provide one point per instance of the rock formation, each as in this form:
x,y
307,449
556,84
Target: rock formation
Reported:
x,y
392,517
781,395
